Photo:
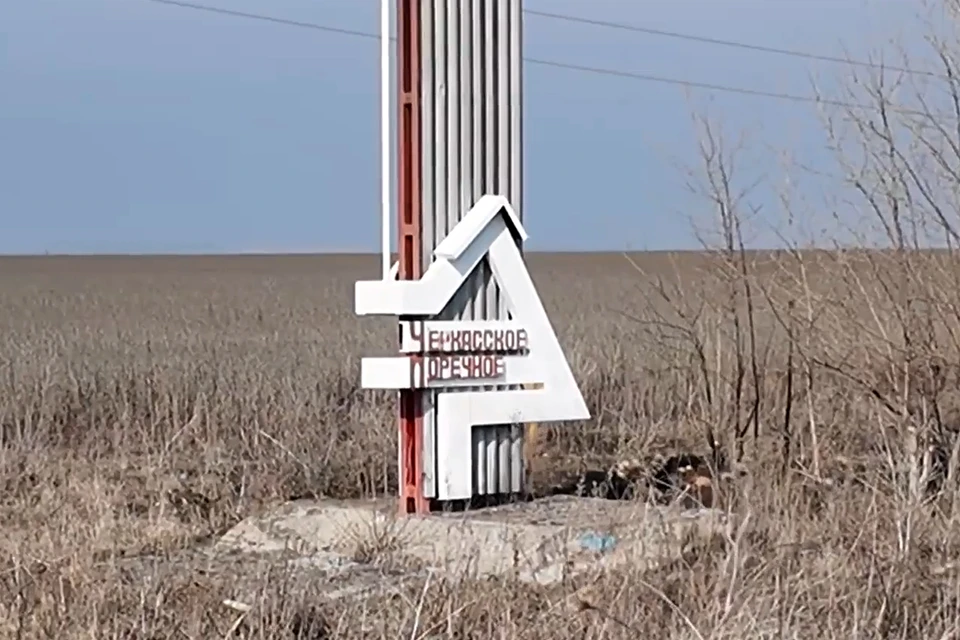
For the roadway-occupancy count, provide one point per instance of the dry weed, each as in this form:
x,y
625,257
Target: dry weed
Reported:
x,y
149,404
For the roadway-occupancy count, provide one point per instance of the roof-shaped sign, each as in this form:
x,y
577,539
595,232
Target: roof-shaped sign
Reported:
x,y
536,359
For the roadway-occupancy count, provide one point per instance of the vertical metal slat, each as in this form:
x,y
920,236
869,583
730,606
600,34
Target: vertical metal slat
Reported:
x,y
515,195
428,221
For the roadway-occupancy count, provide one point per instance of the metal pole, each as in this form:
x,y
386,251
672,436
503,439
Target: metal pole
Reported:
x,y
412,499
385,136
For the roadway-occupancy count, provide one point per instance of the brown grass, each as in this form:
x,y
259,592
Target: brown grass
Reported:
x,y
147,404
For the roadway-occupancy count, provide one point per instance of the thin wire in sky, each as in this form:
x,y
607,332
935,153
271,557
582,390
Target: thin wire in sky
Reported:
x,y
735,44
557,64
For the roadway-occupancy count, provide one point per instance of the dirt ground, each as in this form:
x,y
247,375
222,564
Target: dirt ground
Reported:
x,y
149,404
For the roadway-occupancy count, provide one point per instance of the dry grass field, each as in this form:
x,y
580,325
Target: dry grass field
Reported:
x,y
147,404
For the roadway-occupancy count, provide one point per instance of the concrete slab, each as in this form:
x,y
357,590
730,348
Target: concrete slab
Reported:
x,y
542,541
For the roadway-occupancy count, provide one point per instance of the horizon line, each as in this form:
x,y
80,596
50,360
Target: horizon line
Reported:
x,y
236,254
376,254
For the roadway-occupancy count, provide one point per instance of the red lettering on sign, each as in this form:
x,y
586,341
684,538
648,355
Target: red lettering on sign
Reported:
x,y
473,340
416,330
522,340
417,377
465,367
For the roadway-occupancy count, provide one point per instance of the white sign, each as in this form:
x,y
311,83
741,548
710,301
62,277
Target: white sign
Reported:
x,y
445,353
458,353
462,336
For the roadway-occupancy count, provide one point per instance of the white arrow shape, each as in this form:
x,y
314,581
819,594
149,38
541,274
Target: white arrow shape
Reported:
x,y
489,229
455,259
558,399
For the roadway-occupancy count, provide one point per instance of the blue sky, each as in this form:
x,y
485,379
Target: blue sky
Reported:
x,y
128,126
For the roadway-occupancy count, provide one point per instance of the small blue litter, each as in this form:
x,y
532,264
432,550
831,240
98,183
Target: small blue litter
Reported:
x,y
594,541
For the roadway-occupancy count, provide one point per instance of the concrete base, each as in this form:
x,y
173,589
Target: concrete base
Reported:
x,y
359,544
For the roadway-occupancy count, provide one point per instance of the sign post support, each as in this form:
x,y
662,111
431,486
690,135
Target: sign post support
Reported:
x,y
412,495
459,157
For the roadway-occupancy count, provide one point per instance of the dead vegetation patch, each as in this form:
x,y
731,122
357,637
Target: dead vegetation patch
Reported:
x,y
117,472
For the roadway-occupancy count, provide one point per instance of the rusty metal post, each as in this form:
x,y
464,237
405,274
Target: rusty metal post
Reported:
x,y
412,499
